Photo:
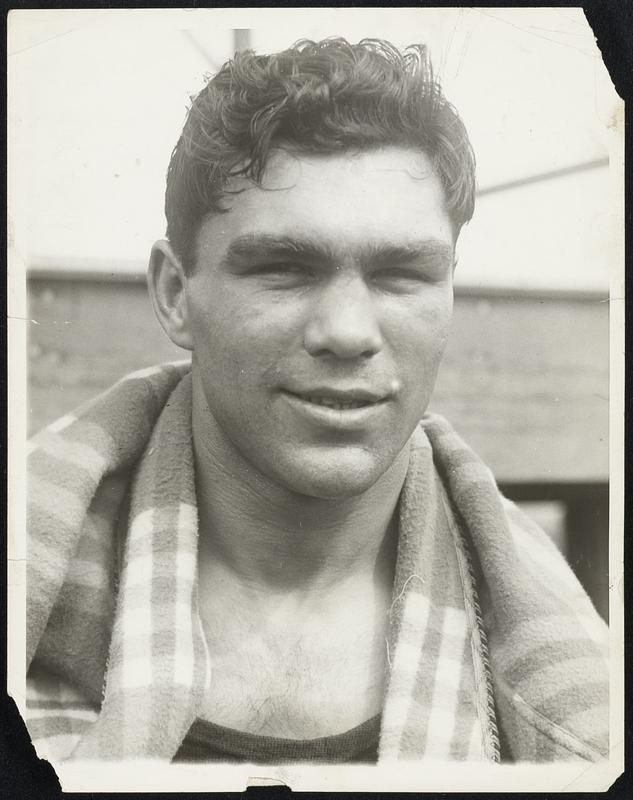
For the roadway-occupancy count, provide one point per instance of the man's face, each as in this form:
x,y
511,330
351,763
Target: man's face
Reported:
x,y
319,309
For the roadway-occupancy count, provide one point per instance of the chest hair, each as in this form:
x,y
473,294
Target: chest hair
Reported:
x,y
302,679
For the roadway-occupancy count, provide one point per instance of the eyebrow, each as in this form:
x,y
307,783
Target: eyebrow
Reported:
x,y
375,254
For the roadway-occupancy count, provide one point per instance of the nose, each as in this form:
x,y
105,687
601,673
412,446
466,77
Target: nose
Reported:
x,y
343,321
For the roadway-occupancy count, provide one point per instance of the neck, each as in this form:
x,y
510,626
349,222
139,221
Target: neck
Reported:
x,y
276,540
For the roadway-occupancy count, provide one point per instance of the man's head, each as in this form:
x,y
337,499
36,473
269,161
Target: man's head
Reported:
x,y
310,260
316,97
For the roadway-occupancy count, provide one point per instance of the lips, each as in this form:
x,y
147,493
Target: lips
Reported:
x,y
330,402
340,399
351,409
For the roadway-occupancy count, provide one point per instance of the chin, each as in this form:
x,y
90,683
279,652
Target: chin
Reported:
x,y
334,490
333,478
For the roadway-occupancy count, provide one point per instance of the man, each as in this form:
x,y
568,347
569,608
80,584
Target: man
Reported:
x,y
271,554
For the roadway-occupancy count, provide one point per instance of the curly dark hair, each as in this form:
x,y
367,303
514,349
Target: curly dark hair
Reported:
x,y
315,97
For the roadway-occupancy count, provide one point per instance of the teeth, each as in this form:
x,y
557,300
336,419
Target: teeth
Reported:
x,y
328,403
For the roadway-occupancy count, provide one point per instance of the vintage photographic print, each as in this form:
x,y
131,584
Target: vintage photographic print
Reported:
x,y
313,349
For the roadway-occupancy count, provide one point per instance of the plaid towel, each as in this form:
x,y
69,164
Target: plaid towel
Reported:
x,y
489,627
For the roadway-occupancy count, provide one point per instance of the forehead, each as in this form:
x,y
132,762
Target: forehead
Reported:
x,y
347,200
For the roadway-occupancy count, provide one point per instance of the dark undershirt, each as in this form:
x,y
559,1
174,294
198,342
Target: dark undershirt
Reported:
x,y
206,741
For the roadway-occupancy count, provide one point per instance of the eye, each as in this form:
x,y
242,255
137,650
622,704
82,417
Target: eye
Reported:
x,y
283,274
412,276
398,278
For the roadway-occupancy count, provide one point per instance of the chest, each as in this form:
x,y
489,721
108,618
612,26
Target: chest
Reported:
x,y
299,677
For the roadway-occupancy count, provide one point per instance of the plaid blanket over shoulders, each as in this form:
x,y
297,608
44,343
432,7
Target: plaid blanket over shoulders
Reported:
x,y
494,647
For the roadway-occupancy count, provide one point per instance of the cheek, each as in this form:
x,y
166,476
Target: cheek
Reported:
x,y
243,336
418,334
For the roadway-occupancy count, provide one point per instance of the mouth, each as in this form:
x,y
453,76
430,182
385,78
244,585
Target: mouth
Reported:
x,y
331,402
340,399
342,410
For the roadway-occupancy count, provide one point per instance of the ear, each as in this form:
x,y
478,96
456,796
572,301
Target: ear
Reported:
x,y
166,282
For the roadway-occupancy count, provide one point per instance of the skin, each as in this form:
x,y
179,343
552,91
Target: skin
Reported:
x,y
330,283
